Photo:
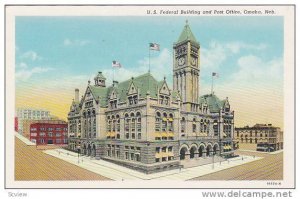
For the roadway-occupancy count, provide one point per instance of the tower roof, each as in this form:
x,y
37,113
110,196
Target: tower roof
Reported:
x,y
100,76
187,34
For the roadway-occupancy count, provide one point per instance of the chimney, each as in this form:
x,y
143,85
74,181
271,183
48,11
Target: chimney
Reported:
x,y
76,95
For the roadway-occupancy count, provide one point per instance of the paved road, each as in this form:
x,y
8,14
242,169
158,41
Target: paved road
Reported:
x,y
268,168
33,164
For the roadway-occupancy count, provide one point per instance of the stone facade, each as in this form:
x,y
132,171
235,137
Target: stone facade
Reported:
x,y
145,125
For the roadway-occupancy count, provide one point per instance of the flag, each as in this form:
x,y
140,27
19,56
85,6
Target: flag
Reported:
x,y
116,64
214,74
154,46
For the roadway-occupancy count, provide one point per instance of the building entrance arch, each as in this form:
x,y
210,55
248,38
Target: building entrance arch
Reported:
x,y
183,151
192,152
201,150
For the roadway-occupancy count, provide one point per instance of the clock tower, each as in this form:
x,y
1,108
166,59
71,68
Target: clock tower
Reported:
x,y
186,68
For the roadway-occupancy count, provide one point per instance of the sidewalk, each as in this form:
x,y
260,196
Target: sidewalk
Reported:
x,y
116,172
24,139
271,153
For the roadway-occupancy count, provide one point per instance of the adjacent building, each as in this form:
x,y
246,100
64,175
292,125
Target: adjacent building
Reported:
x,y
49,133
265,136
28,122
31,114
16,124
147,125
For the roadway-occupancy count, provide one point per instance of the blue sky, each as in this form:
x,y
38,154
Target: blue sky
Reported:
x,y
67,51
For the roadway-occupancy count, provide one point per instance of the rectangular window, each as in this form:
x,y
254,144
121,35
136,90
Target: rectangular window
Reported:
x,y
132,156
42,134
156,159
157,149
194,128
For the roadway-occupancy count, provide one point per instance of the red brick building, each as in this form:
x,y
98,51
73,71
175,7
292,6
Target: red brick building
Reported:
x,y
16,124
49,133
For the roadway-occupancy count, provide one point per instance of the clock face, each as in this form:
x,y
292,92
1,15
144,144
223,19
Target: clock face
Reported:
x,y
193,61
181,61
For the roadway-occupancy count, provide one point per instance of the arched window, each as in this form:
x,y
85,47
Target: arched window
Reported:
x,y
127,125
158,122
216,128
171,126
194,126
118,123
201,125
205,126
164,122
139,125
208,126
182,124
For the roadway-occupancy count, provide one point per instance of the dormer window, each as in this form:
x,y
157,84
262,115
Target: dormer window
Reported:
x,y
113,104
164,100
133,99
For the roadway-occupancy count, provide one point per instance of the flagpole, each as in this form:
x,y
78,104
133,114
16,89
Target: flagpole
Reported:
x,y
113,74
212,83
149,61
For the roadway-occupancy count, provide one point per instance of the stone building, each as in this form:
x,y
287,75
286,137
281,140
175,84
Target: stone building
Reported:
x,y
144,124
30,114
265,136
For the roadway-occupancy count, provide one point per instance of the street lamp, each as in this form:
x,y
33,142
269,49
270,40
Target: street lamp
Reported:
x,y
78,151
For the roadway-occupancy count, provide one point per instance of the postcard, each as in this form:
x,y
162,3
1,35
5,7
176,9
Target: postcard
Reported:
x,y
150,96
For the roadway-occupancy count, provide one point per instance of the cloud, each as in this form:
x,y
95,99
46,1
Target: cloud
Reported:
x,y
216,53
160,66
236,47
255,90
24,74
254,69
22,65
69,42
30,55
213,56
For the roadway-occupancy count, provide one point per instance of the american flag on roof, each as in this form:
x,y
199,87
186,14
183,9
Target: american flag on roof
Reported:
x,y
154,46
116,64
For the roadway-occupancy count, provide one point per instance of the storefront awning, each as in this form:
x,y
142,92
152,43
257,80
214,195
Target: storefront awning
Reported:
x,y
158,155
157,134
170,154
171,134
164,154
164,134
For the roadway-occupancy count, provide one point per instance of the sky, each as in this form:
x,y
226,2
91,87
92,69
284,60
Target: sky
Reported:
x,y
55,55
